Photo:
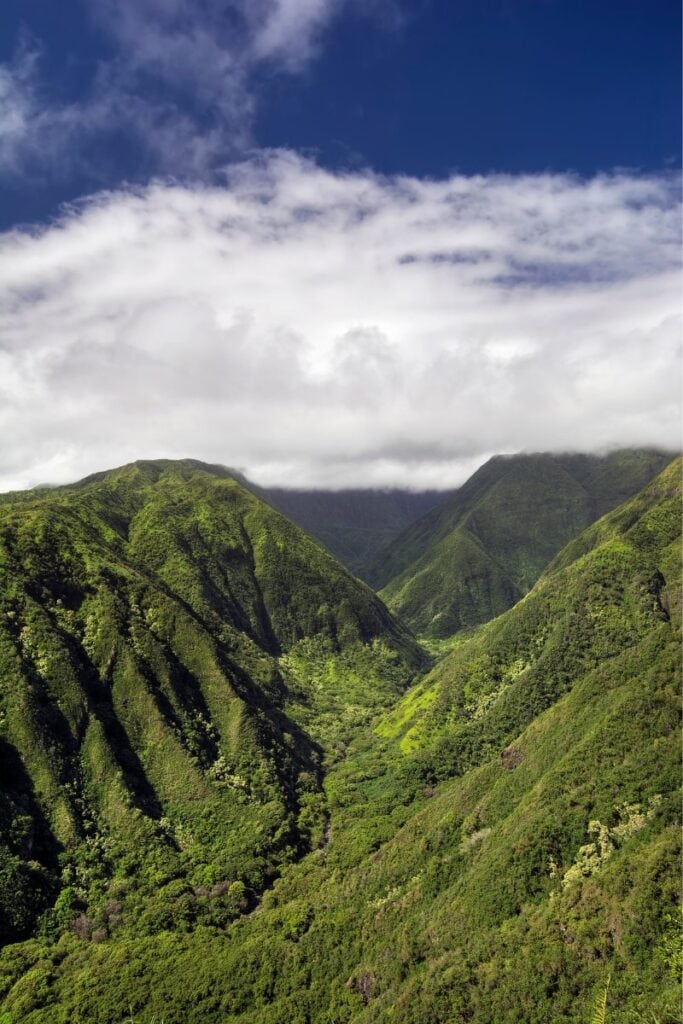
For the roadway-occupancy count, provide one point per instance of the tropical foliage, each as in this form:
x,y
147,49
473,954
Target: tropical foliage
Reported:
x,y
490,845
475,555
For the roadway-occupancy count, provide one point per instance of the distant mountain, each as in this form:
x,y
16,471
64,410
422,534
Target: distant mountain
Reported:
x,y
160,627
503,845
472,557
355,525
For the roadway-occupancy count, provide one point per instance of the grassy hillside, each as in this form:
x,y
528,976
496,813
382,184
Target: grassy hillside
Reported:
x,y
160,631
355,525
500,843
471,558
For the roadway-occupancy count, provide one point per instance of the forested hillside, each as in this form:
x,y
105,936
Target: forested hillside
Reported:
x,y
497,845
472,557
355,525
157,625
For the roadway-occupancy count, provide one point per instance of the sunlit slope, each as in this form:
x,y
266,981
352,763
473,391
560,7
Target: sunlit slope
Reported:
x,y
503,842
471,558
147,708
604,593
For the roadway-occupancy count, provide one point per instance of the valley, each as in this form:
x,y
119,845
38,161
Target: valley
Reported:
x,y
239,788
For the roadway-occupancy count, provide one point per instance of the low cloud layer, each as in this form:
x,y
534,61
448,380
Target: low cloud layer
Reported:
x,y
313,328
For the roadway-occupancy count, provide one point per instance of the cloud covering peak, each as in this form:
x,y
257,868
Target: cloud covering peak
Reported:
x,y
316,328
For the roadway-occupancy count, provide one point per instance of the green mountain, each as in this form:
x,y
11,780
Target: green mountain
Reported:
x,y
499,843
355,525
472,557
165,636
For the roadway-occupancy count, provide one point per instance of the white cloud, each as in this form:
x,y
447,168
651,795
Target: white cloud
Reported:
x,y
21,118
319,328
179,85
15,108
290,29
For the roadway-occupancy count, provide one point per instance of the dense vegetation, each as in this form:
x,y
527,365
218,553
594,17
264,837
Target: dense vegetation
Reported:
x,y
472,557
156,624
355,525
493,846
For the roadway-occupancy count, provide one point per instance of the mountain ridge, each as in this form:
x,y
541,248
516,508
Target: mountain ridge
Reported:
x,y
501,839
473,556
355,524
157,624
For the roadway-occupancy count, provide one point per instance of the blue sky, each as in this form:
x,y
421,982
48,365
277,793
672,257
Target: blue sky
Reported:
x,y
507,86
421,87
336,242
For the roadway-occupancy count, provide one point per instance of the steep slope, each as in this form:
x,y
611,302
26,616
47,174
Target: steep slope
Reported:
x,y
471,558
608,589
501,844
158,629
355,525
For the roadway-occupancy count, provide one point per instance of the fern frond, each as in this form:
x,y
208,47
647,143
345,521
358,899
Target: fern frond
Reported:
x,y
600,1014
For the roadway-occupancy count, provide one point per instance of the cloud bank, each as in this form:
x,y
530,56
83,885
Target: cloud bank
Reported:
x,y
313,328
